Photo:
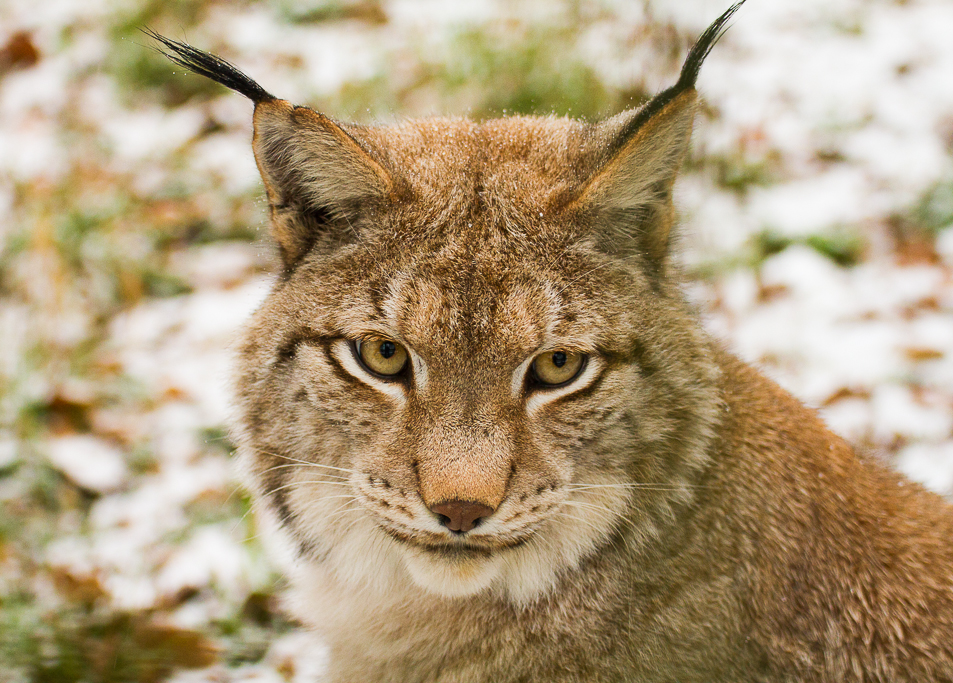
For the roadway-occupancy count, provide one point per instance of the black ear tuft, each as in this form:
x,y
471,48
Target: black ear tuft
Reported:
x,y
702,46
210,66
689,73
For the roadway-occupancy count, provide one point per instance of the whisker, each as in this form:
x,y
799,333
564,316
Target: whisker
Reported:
x,y
304,462
279,467
365,245
592,525
353,506
591,506
242,518
650,486
618,523
302,483
341,513
603,513
599,267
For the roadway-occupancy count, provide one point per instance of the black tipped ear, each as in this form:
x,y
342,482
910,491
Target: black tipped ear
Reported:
x,y
631,190
210,66
316,174
689,73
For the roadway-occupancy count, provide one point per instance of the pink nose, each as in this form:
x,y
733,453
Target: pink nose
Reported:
x,y
461,515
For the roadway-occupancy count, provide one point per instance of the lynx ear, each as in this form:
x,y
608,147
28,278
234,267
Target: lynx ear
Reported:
x,y
631,193
631,190
315,173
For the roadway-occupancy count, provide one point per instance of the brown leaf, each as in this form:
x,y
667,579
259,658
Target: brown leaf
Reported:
x,y
845,393
65,415
85,589
18,53
184,648
919,354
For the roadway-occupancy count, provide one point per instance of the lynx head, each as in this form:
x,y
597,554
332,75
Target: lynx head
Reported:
x,y
476,366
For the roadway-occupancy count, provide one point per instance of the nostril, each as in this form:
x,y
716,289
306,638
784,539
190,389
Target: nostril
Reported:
x,y
461,515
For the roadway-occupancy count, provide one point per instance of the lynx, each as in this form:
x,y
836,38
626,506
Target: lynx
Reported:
x,y
496,444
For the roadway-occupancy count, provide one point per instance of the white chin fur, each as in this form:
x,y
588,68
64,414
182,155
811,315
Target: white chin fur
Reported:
x,y
452,577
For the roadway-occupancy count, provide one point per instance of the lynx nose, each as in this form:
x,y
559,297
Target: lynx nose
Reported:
x,y
461,515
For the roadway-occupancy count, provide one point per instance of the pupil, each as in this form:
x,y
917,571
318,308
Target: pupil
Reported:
x,y
388,349
559,359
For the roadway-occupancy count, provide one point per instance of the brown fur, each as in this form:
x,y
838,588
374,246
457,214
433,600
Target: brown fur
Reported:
x,y
671,515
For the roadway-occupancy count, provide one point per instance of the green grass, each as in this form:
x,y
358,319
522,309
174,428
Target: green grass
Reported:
x,y
138,69
141,71
739,174
843,246
83,643
914,231
934,211
321,11
526,72
499,71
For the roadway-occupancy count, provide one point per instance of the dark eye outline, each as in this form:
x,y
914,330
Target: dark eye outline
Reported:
x,y
536,383
398,376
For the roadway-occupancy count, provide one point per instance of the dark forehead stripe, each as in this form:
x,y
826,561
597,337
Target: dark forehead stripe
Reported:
x,y
504,313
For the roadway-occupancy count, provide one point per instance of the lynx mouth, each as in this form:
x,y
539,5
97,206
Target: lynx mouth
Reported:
x,y
454,547
454,551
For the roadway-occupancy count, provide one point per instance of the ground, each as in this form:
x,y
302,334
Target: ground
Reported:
x,y
816,227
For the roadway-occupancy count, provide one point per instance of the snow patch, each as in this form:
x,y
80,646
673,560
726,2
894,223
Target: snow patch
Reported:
x,y
930,465
88,461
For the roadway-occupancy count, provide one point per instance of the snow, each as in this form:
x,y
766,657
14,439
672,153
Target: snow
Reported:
x,y
944,245
898,412
929,464
809,205
90,462
847,104
221,265
211,556
177,346
8,449
168,130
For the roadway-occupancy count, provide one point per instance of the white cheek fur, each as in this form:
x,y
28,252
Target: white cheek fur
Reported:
x,y
419,368
452,577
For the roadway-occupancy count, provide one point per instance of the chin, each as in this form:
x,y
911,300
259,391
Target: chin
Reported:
x,y
452,573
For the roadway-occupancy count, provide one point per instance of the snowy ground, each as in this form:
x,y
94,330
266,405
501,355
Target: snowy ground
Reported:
x,y
817,225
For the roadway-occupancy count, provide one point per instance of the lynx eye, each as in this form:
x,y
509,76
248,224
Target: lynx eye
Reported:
x,y
555,368
381,357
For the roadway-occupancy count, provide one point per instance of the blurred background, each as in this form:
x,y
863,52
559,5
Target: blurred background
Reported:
x,y
817,233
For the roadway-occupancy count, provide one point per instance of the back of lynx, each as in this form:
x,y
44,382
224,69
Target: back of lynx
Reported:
x,y
496,444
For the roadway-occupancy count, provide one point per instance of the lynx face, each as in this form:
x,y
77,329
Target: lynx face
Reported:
x,y
476,367
471,387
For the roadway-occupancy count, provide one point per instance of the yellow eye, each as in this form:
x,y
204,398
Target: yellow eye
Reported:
x,y
554,368
382,356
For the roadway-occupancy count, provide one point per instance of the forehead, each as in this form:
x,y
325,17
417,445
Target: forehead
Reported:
x,y
452,303
501,169
444,293
477,246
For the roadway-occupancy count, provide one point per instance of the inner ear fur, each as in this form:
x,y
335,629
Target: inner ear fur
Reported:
x,y
316,175
631,191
